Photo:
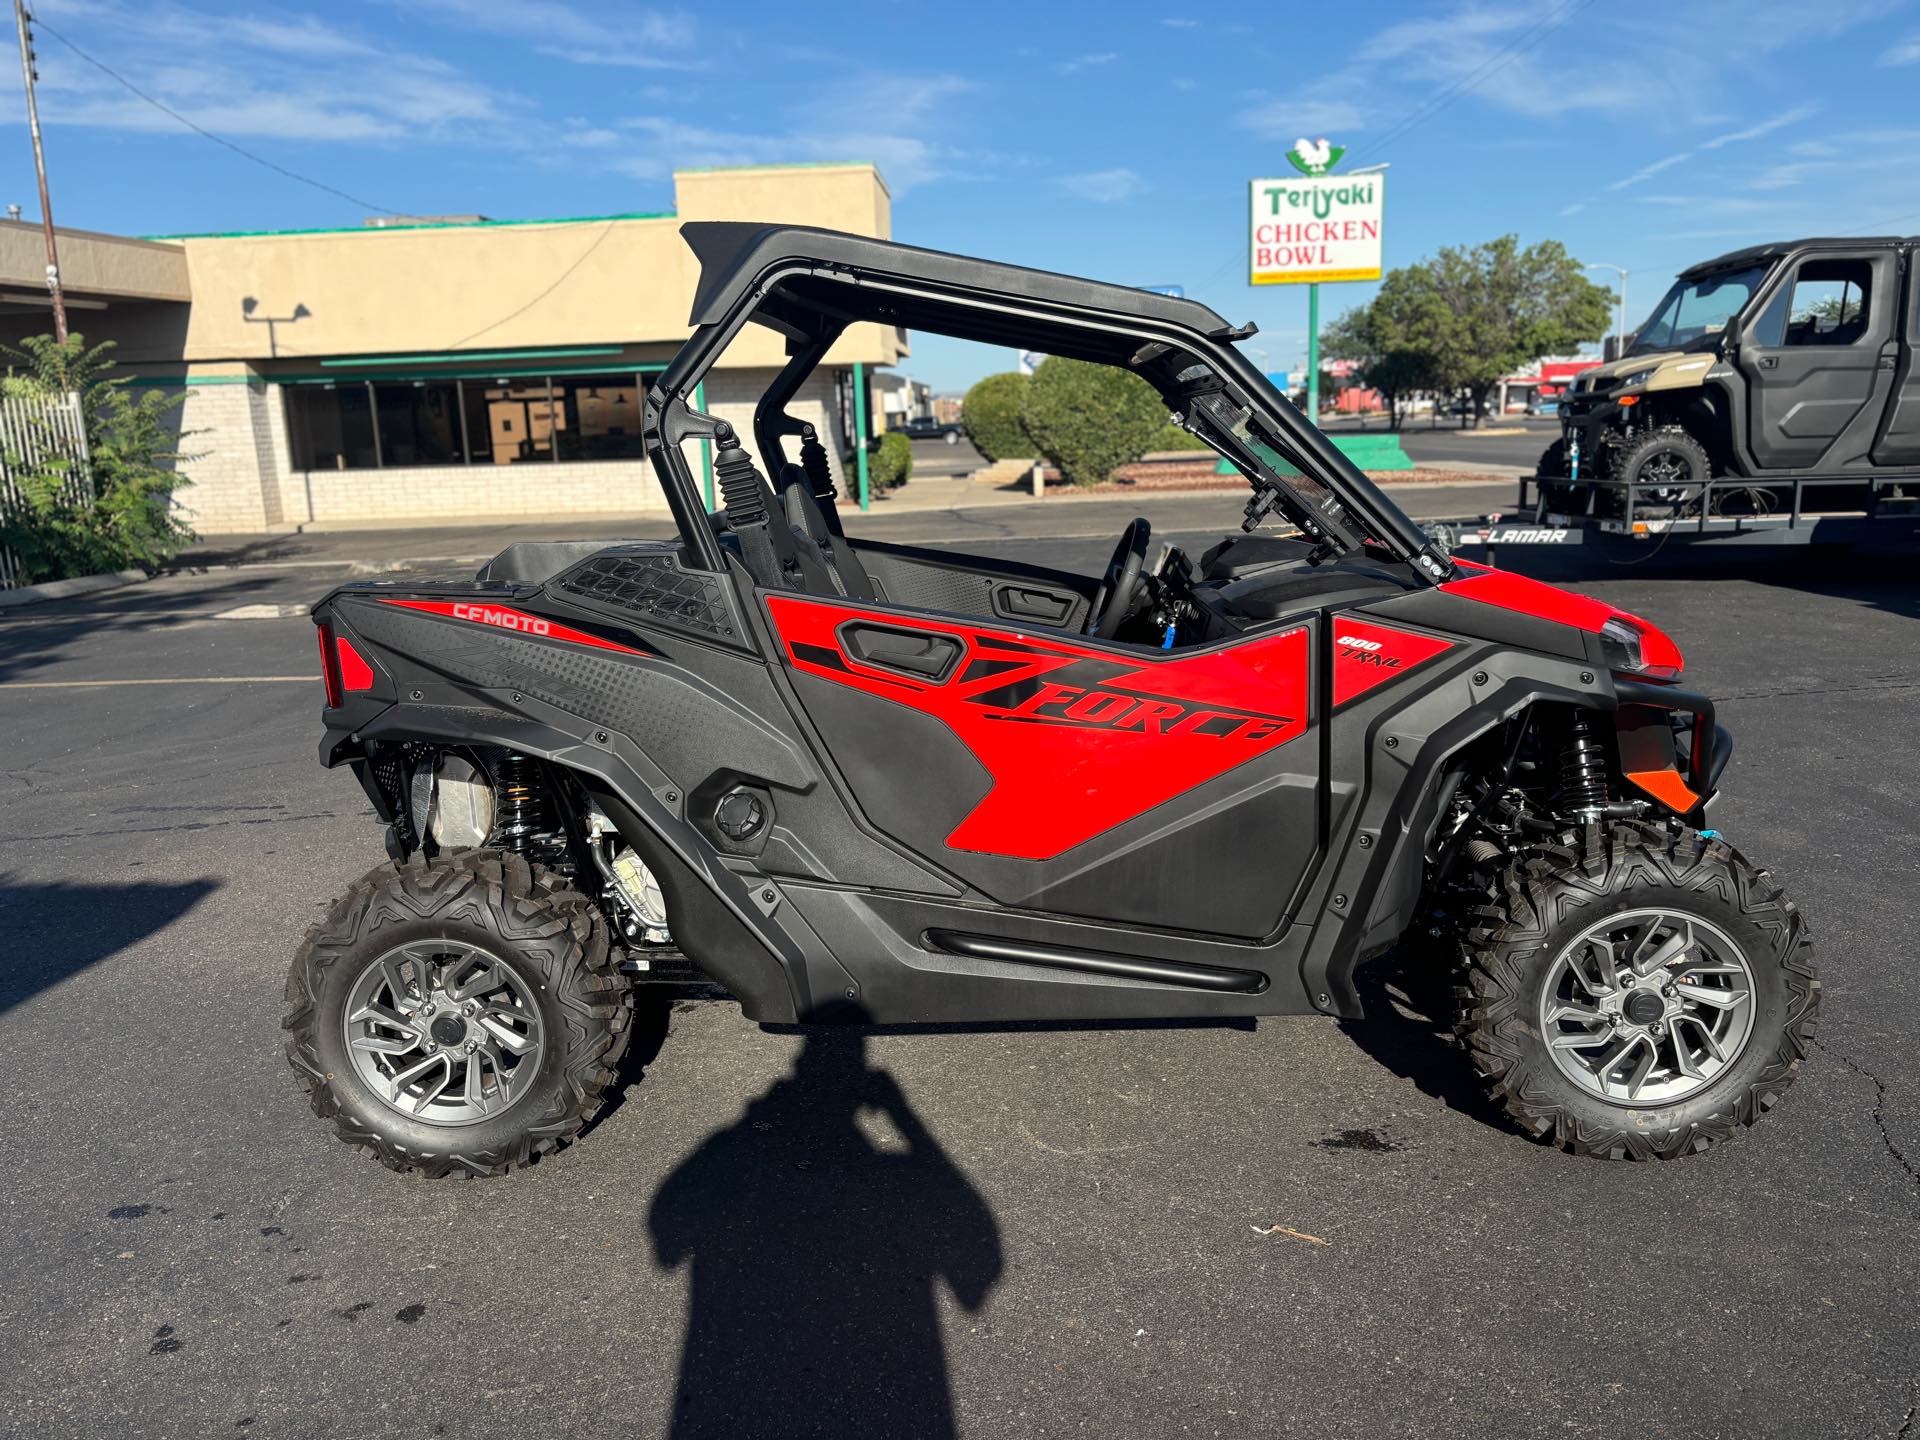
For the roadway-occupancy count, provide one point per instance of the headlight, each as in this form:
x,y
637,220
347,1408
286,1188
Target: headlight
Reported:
x,y
1625,645
1639,377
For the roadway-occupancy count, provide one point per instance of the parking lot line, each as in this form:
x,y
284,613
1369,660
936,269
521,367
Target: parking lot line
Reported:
x,y
171,680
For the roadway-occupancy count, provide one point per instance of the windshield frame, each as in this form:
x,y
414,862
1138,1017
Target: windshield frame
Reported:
x,y
1673,299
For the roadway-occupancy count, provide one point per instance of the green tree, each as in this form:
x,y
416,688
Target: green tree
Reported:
x,y
1486,310
1383,337
129,522
1090,419
990,414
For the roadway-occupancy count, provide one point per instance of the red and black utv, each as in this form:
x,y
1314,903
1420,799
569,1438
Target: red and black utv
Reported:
x,y
861,782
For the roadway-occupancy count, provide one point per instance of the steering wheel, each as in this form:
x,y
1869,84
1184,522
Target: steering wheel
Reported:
x,y
1120,585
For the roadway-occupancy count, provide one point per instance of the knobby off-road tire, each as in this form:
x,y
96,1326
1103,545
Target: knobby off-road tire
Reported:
x,y
1550,897
551,945
1680,459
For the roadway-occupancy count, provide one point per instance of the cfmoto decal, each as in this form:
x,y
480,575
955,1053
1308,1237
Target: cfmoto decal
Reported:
x,y
505,617
1366,655
1077,740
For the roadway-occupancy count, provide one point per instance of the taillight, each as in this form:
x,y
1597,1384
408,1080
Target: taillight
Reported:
x,y
329,670
342,668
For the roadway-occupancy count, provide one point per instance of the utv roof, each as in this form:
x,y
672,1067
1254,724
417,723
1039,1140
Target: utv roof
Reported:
x,y
735,255
1773,250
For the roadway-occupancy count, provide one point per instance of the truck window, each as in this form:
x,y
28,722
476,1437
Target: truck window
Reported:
x,y
1827,304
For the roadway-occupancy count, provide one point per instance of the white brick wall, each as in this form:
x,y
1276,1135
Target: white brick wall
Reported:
x,y
243,480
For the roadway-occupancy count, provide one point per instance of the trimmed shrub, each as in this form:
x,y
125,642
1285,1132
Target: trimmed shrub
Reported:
x,y
1172,437
891,462
990,414
1089,419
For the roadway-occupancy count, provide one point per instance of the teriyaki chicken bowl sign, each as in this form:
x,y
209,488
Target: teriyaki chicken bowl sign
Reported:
x,y
1308,229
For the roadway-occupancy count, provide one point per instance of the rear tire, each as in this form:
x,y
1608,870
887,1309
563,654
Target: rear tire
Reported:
x,y
514,961
1746,935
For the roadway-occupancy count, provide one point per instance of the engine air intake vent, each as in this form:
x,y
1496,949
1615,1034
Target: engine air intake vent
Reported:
x,y
654,587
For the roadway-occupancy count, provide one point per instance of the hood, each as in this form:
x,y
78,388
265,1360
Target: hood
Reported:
x,y
1632,646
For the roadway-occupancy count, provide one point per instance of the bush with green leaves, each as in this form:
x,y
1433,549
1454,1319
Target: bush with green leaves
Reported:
x,y
1172,437
891,462
990,414
129,523
1089,419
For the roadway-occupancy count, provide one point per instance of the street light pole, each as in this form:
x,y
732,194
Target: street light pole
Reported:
x,y
20,18
1602,265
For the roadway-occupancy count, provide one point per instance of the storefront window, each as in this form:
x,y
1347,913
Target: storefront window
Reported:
x,y
329,428
419,423
477,420
598,420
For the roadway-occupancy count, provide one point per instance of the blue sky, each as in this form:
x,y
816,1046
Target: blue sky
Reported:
x,y
1113,140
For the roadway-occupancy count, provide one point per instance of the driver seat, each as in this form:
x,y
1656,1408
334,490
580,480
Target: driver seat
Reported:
x,y
807,518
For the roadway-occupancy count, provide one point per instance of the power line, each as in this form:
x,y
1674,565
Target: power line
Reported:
x,y
558,281
206,134
1493,62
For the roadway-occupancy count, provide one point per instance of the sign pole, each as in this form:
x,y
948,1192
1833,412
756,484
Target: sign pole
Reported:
x,y
1313,353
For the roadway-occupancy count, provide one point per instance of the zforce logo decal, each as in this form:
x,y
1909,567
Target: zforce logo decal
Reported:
x,y
505,617
1366,655
1076,740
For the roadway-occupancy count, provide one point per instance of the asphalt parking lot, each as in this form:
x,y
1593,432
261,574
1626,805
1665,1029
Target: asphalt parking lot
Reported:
x,y
1290,1229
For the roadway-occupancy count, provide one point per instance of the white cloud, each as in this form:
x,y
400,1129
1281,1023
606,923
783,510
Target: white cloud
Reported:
x,y
1178,23
1647,172
1765,127
639,39
1104,187
895,121
247,77
1086,62
1903,52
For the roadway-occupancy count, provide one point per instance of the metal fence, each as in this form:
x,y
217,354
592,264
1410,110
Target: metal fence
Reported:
x,y
33,431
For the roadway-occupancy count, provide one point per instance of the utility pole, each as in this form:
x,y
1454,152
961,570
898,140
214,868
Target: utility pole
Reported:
x,y
40,168
1602,265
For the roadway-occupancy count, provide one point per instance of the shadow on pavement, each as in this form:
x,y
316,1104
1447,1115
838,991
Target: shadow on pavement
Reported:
x,y
818,1229
1409,1029
56,931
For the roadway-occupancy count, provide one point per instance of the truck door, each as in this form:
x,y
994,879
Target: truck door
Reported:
x,y
1817,358
1899,442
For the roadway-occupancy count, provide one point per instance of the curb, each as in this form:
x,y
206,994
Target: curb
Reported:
x,y
65,589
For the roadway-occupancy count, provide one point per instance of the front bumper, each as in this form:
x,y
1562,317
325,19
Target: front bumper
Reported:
x,y
1671,747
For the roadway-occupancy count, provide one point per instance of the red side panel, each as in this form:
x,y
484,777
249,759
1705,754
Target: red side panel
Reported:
x,y
1366,655
505,617
1077,740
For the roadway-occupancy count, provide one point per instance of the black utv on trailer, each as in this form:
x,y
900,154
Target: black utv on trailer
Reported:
x,y
867,783
1777,365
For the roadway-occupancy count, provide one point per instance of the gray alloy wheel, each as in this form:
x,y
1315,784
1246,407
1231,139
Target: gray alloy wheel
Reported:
x,y
1647,1007
439,1030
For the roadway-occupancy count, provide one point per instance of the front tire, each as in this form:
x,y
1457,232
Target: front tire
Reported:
x,y
457,1016
1667,460
1638,998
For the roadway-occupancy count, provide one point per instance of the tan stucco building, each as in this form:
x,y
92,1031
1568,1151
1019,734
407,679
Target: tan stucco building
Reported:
x,y
425,371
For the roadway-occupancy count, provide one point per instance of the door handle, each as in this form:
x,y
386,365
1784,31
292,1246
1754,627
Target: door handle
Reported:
x,y
923,654
1767,362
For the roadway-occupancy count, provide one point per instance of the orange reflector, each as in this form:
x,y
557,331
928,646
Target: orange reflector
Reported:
x,y
1667,787
1629,400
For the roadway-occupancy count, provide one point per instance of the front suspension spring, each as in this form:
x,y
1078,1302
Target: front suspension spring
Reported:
x,y
1583,771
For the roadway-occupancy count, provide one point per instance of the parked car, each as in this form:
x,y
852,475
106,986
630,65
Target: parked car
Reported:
x,y
1544,405
931,430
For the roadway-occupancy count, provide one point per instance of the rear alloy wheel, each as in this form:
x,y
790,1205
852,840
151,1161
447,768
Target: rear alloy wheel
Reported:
x,y
1638,997
1668,461
459,1016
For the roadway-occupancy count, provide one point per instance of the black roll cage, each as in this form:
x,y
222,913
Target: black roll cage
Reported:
x,y
811,285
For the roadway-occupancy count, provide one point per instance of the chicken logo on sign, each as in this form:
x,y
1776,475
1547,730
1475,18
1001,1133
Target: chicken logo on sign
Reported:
x,y
1315,157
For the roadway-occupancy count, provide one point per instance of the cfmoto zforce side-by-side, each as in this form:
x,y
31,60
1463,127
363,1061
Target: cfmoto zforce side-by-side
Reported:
x,y
860,782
